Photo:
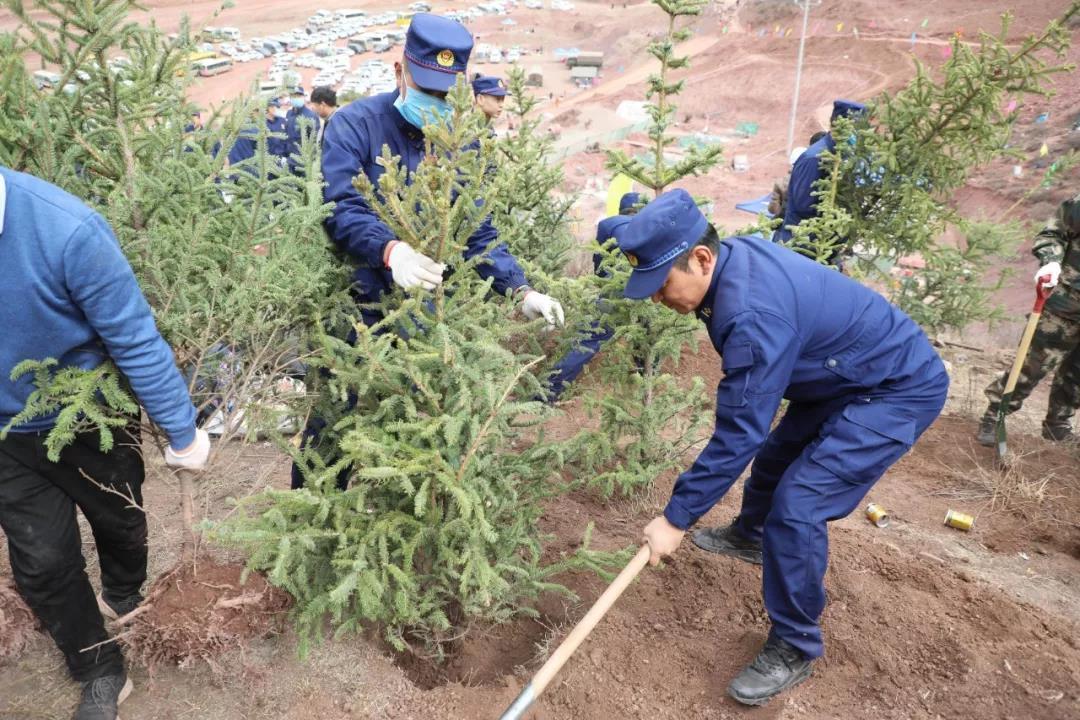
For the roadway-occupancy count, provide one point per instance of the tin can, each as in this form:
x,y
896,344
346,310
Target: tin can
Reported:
x,y
877,515
959,520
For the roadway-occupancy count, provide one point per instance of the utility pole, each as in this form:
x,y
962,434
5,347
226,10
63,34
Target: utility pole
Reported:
x,y
798,72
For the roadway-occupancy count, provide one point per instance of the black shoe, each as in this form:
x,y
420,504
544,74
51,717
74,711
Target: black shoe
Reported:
x,y
100,697
987,434
1058,432
728,541
114,609
778,667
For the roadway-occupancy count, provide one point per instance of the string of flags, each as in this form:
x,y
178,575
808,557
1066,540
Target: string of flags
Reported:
x,y
786,32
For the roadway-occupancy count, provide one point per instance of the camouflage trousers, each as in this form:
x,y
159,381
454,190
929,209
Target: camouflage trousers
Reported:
x,y
1055,348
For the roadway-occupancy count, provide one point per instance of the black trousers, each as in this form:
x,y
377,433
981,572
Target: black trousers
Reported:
x,y
37,513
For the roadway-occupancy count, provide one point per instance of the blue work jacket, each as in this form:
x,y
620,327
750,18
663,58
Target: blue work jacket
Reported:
x,y
801,203
298,125
352,143
787,327
248,140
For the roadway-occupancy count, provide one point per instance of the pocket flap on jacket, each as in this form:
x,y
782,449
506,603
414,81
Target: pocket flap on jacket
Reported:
x,y
737,355
883,420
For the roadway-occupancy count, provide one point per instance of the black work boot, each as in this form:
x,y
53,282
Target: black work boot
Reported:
x,y
987,434
113,609
101,696
777,667
1058,432
728,541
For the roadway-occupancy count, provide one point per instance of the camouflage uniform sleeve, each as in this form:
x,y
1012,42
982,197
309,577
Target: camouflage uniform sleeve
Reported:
x,y
1050,243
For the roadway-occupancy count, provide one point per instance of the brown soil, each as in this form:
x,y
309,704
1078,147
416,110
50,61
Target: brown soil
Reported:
x,y
196,612
18,626
909,633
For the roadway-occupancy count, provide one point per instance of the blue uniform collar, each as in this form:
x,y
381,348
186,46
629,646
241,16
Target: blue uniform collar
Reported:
x,y
704,310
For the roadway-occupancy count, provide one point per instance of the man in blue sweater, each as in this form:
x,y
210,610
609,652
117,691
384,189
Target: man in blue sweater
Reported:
x,y
862,384
73,297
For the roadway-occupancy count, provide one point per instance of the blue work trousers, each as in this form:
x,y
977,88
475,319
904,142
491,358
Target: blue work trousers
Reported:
x,y
817,466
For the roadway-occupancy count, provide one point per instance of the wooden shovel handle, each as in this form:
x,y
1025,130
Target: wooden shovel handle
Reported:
x,y
581,631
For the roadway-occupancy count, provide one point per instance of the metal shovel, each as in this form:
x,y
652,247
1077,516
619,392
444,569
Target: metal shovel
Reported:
x,y
1041,293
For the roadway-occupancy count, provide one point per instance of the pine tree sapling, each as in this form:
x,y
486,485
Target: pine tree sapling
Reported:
x,y
646,419
438,527
233,263
83,401
886,190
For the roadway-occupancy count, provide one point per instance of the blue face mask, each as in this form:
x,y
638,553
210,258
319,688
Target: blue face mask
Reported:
x,y
419,109
297,102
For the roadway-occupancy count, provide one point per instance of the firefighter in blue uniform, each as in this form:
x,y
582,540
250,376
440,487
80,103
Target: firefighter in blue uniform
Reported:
x,y
862,382
574,362
248,138
800,203
490,94
300,122
437,50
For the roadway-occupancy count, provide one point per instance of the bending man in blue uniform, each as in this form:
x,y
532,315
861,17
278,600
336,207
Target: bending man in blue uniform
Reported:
x,y
79,303
862,381
800,203
574,362
437,50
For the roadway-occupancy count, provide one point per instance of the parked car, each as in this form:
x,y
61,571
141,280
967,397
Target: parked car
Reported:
x,y
45,79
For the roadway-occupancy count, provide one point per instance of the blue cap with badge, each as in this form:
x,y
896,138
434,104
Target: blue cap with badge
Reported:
x,y
437,49
846,108
489,85
628,202
651,240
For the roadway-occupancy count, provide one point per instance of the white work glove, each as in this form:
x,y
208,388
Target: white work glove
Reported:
x,y
409,268
193,457
536,304
1053,269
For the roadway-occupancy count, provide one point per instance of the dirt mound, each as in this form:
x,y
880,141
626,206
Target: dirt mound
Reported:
x,y
197,612
18,626
908,634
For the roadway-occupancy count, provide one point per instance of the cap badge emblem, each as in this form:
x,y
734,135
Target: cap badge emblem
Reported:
x,y
632,259
445,58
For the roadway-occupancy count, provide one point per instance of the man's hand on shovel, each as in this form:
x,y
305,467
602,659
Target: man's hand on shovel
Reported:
x,y
663,538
